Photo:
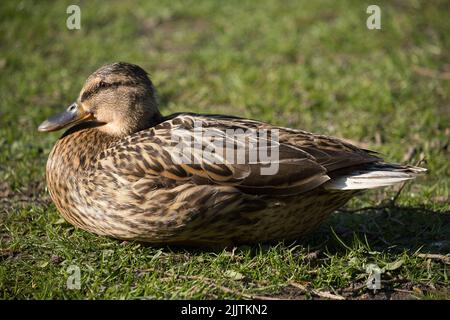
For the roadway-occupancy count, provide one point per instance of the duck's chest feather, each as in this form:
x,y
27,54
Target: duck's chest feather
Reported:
x,y
95,184
69,167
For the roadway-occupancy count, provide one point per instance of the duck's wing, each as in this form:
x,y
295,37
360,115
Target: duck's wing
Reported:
x,y
331,153
207,150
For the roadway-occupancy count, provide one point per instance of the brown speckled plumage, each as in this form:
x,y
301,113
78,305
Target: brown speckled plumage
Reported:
x,y
114,175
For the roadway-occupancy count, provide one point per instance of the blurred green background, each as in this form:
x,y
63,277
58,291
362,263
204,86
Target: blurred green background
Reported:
x,y
312,65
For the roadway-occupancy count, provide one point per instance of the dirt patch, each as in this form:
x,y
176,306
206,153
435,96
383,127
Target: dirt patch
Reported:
x,y
5,190
391,290
6,253
32,193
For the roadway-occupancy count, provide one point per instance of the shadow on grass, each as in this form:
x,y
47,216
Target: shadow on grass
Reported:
x,y
390,228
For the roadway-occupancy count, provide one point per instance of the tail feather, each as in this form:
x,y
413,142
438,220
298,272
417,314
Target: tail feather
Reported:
x,y
371,176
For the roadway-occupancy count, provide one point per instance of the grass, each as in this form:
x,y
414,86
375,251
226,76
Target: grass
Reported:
x,y
306,64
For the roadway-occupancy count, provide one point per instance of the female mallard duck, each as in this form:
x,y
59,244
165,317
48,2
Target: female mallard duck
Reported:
x,y
118,171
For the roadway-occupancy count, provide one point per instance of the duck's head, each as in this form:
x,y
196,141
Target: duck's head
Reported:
x,y
119,97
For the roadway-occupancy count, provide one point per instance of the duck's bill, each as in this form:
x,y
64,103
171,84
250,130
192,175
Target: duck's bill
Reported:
x,y
70,117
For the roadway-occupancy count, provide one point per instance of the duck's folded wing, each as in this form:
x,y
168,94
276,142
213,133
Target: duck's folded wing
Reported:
x,y
331,153
254,162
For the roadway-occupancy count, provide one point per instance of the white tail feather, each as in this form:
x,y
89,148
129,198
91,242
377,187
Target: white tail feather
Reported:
x,y
375,177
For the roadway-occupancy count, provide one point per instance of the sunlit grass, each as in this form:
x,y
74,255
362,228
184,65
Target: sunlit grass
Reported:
x,y
306,64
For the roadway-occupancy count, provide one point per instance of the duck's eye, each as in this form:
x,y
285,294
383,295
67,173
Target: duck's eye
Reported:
x,y
72,108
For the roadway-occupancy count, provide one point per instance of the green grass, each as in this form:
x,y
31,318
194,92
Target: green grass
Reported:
x,y
306,64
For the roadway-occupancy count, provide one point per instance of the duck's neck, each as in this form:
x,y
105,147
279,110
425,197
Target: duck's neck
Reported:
x,y
77,150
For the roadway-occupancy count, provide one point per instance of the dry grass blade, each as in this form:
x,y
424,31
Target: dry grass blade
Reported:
x,y
322,294
433,256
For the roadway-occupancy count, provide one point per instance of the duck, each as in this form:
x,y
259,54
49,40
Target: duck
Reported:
x,y
123,170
